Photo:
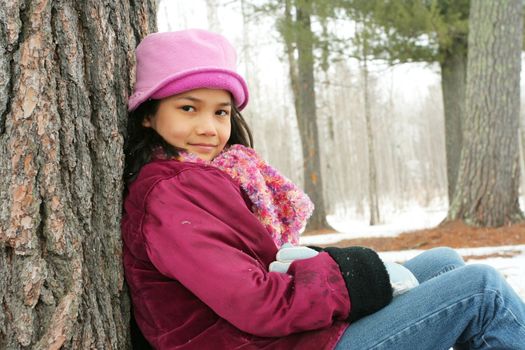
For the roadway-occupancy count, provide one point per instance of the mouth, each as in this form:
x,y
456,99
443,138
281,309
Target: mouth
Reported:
x,y
203,144
203,147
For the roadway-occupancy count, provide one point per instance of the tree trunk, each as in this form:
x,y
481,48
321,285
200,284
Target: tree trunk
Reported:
x,y
521,143
303,86
212,13
64,81
373,203
488,180
453,87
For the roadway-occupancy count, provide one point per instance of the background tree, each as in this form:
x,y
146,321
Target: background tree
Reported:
x,y
425,31
340,117
65,74
296,31
213,15
362,38
488,181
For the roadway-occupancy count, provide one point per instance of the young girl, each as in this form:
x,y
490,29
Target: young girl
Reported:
x,y
206,222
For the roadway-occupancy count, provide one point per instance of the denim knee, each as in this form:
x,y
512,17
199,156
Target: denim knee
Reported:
x,y
448,256
484,275
483,269
434,262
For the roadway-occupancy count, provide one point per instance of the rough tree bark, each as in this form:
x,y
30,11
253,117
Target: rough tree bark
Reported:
x,y
64,79
300,41
453,87
488,180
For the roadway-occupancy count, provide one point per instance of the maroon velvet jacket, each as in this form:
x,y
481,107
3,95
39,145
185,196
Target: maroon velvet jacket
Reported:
x,y
196,262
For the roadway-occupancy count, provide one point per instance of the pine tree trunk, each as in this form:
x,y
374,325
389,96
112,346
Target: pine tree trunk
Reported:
x,y
488,180
64,81
298,38
453,87
307,117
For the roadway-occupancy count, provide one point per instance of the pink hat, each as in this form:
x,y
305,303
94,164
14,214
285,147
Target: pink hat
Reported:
x,y
173,62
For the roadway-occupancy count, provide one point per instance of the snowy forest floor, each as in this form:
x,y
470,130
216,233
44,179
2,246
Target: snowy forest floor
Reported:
x,y
452,234
503,247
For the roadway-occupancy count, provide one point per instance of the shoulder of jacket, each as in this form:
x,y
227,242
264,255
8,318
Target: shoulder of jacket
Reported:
x,y
159,171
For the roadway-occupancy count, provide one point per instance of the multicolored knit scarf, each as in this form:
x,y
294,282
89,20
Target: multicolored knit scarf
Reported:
x,y
277,202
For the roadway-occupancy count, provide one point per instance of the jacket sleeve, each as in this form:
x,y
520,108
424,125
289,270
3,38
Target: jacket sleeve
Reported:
x,y
199,231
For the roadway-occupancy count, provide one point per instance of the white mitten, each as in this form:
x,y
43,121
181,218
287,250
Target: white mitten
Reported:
x,y
401,279
287,254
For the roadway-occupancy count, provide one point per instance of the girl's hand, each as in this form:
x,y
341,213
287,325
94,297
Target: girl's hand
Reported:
x,y
401,279
287,254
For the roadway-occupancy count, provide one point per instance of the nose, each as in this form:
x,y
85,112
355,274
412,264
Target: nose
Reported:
x,y
206,126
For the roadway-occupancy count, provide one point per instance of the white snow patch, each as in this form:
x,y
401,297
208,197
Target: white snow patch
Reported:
x,y
350,229
413,217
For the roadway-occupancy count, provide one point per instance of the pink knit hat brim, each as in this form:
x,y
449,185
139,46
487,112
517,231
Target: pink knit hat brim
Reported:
x,y
210,78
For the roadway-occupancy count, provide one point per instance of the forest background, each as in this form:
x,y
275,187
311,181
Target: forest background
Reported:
x,y
387,119
405,104
340,111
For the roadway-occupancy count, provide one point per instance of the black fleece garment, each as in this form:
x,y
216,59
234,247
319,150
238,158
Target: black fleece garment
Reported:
x,y
366,279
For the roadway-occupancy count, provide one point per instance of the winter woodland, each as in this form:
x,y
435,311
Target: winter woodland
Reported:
x,y
405,102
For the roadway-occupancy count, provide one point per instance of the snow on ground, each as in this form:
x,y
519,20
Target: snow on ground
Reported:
x,y
411,220
349,224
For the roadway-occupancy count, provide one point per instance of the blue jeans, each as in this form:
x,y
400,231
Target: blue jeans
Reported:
x,y
466,306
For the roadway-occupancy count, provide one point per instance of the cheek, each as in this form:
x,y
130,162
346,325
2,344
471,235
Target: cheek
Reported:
x,y
179,128
174,132
180,133
226,132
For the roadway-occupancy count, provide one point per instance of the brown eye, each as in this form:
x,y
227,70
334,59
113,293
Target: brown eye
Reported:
x,y
188,108
222,113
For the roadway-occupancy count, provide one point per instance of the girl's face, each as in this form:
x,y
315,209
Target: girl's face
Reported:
x,y
197,120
